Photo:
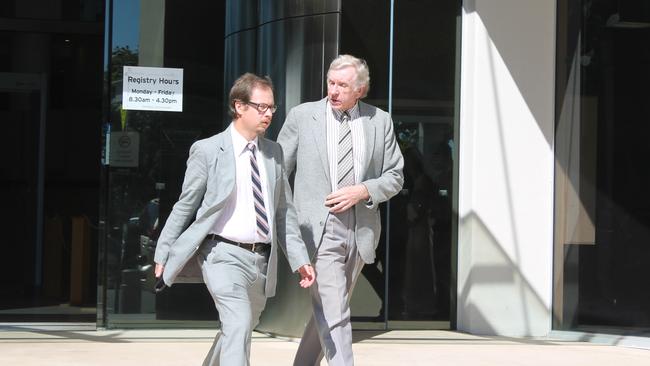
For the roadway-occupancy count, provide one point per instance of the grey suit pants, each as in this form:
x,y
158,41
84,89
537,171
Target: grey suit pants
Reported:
x,y
337,265
236,279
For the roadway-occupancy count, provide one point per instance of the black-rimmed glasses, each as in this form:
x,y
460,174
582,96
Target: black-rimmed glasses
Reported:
x,y
263,107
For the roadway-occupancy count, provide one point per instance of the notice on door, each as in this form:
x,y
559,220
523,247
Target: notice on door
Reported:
x,y
152,89
124,149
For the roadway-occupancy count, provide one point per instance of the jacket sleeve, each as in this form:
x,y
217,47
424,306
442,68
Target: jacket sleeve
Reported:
x,y
184,211
287,228
288,139
391,180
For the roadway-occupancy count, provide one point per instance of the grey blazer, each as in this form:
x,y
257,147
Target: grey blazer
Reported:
x,y
209,180
304,140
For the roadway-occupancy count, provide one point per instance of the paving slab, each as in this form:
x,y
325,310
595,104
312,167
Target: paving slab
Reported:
x,y
188,347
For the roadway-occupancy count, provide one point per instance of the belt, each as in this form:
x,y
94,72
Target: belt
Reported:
x,y
253,247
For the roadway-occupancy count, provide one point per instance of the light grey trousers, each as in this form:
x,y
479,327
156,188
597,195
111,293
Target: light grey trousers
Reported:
x,y
236,279
337,265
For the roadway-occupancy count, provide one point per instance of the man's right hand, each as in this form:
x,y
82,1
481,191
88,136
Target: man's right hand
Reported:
x,y
307,275
158,271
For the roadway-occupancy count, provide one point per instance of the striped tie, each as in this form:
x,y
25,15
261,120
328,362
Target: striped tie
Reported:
x,y
260,211
345,165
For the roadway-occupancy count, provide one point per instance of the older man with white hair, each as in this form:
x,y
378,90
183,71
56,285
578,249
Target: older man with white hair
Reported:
x,y
346,161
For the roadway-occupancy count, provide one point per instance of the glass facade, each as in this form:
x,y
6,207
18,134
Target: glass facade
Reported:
x,y
83,215
50,108
293,44
90,183
138,197
602,219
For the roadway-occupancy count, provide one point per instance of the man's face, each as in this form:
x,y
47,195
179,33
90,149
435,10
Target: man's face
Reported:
x,y
252,121
341,89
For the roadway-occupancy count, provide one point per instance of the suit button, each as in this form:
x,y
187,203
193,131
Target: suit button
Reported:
x,y
321,223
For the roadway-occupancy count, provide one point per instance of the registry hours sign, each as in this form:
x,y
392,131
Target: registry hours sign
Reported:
x,y
152,89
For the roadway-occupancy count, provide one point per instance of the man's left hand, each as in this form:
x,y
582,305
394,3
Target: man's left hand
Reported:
x,y
346,197
307,275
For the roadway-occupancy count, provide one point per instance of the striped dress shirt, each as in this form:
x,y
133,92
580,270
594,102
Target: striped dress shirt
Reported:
x,y
237,222
358,142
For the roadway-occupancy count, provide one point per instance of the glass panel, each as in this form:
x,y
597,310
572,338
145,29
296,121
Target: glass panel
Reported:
x,y
68,10
156,33
365,33
295,53
423,112
50,86
20,110
419,225
602,217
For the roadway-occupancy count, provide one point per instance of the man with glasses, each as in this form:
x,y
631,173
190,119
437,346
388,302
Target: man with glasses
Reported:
x,y
346,162
235,209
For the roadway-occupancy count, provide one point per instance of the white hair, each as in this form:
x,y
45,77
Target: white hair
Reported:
x,y
361,68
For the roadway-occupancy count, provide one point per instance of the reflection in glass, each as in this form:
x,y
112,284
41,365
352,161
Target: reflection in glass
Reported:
x,y
423,111
139,198
410,279
418,262
602,217
50,102
421,242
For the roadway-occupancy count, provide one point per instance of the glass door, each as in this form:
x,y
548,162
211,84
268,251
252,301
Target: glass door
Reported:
x,y
420,218
22,192
412,55
50,102
48,278
602,216
145,153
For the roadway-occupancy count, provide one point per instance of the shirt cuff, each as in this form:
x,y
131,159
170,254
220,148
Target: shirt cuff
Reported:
x,y
368,202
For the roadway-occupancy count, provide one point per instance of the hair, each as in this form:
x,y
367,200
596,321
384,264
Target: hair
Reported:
x,y
242,90
361,68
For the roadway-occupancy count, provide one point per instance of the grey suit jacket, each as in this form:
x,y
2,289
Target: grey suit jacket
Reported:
x,y
304,140
209,181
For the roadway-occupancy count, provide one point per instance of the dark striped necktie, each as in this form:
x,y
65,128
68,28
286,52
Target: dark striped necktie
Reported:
x,y
345,165
260,210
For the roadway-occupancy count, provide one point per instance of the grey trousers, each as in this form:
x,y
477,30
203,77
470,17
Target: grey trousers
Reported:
x,y
236,279
337,265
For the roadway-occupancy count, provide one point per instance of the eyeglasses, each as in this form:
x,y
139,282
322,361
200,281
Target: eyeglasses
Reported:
x,y
263,107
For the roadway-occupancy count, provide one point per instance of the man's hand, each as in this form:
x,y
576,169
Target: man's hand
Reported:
x,y
346,197
158,271
307,275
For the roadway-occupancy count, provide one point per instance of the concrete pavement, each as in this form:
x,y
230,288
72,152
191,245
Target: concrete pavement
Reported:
x,y
187,347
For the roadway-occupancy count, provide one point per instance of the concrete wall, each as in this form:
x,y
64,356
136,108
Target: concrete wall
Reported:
x,y
506,167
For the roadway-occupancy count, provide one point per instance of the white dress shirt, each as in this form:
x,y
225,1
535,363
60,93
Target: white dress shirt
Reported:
x,y
358,142
238,221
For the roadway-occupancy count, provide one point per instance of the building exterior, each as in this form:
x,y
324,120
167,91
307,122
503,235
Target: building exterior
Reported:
x,y
524,207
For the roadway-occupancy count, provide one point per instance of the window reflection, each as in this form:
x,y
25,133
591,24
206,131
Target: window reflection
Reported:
x,y
157,34
419,242
410,279
602,217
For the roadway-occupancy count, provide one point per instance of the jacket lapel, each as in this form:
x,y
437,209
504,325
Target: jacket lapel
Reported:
x,y
320,135
369,135
225,166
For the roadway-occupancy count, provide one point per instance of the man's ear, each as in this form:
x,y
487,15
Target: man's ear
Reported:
x,y
240,107
360,91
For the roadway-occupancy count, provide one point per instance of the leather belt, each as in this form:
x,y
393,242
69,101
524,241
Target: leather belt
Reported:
x,y
259,248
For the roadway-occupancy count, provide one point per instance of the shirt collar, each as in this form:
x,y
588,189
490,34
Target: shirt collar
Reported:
x,y
338,113
239,143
